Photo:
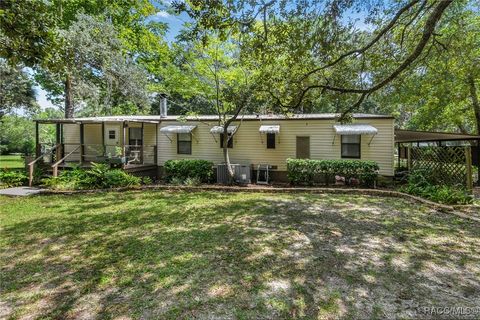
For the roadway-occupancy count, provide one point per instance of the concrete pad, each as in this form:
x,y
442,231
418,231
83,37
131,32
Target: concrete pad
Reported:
x,y
20,191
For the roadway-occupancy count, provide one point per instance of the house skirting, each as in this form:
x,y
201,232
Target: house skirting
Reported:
x,y
275,176
144,171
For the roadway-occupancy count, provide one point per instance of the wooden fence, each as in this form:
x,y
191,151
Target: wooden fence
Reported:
x,y
445,165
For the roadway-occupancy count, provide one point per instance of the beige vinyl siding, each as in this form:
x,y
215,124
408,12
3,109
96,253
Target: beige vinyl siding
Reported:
x,y
249,146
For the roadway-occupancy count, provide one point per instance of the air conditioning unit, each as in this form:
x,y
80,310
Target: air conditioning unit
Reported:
x,y
242,173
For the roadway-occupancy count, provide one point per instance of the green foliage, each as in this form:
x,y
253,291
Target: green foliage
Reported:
x,y
146,180
16,90
304,171
12,178
176,181
17,134
420,184
96,46
100,176
192,181
440,93
189,168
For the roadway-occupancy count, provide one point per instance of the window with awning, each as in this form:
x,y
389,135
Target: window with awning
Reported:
x,y
351,135
220,130
180,130
270,131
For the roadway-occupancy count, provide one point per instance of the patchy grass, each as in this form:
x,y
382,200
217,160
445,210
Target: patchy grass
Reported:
x,y
208,255
12,162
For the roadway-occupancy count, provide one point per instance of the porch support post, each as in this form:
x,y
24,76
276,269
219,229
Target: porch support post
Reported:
x,y
62,141
478,162
82,141
103,140
398,155
409,157
124,142
468,158
37,140
143,143
155,150
58,141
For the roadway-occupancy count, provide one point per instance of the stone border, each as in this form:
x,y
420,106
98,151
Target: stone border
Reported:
x,y
273,189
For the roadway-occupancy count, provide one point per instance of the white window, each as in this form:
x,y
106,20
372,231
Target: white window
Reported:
x,y
184,143
351,146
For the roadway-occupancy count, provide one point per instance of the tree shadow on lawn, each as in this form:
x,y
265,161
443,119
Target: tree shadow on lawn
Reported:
x,y
204,255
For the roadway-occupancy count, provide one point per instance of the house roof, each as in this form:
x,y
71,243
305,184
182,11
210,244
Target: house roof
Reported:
x,y
156,119
403,136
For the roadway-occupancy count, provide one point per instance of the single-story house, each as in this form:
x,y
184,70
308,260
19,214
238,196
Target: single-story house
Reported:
x,y
144,143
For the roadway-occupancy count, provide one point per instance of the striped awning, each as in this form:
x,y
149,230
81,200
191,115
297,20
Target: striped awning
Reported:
x,y
354,129
273,128
177,129
219,129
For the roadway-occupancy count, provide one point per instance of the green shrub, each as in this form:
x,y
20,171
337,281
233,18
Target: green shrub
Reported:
x,y
176,181
147,180
189,168
12,178
117,178
192,181
100,176
419,185
304,171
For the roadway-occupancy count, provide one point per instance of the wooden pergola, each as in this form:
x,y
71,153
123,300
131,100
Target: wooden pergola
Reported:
x,y
405,139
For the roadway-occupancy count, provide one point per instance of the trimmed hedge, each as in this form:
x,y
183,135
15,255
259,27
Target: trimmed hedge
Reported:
x,y
189,169
305,171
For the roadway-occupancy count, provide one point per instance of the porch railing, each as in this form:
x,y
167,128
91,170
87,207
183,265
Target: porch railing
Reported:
x,y
56,164
87,153
31,165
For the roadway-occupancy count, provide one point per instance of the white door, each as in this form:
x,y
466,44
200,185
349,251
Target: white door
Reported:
x,y
112,140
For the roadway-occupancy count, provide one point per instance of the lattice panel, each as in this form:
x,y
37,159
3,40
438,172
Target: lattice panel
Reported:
x,y
446,165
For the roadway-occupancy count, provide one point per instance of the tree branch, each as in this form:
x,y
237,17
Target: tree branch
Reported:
x,y
382,32
428,30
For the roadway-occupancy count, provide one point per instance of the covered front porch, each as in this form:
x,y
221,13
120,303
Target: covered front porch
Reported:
x,y
127,144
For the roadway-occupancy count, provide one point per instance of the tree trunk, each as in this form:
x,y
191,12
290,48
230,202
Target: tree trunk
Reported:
x,y
226,157
475,102
69,110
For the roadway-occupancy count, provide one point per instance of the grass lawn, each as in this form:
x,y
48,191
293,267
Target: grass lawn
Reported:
x,y
11,162
209,255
